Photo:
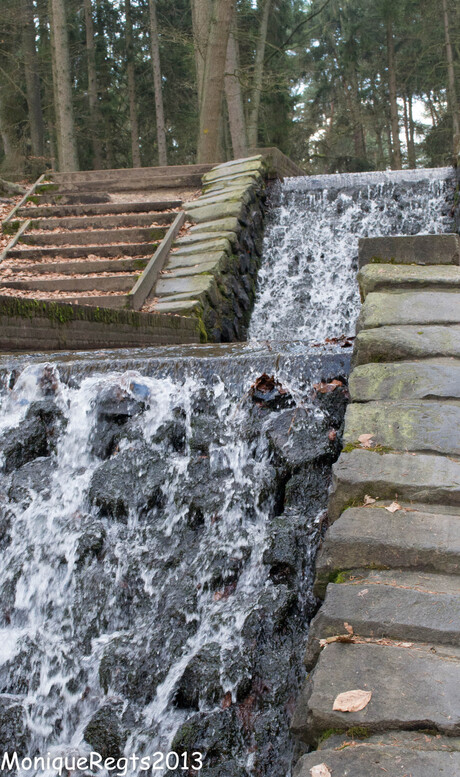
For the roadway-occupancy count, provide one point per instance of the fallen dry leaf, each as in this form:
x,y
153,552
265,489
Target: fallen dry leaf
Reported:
x,y
349,628
332,435
363,592
365,440
393,507
352,701
320,770
369,500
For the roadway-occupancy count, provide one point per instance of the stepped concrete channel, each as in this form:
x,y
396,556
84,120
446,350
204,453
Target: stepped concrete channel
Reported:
x,y
389,567
116,258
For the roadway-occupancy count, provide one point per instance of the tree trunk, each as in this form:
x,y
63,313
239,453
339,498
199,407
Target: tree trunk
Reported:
x,y
94,118
451,74
213,82
37,127
201,19
396,146
234,98
253,123
412,155
67,148
159,109
135,151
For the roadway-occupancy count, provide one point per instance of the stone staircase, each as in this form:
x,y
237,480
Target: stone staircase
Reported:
x,y
86,237
389,567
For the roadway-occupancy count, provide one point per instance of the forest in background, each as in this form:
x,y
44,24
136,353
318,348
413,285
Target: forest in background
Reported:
x,y
337,85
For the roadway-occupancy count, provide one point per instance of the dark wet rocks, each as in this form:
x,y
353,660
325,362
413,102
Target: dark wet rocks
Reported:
x,y
35,437
115,407
200,684
105,733
14,736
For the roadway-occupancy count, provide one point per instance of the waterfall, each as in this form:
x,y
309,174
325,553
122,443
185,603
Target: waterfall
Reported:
x,y
160,512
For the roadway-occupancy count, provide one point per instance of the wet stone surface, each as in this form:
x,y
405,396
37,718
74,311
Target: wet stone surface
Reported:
x,y
157,539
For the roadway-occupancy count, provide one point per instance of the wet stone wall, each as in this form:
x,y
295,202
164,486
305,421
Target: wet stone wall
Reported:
x,y
156,538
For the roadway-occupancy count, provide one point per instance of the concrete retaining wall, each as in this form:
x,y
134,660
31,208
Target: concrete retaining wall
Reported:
x,y
33,325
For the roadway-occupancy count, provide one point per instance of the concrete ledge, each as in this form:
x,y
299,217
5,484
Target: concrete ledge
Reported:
x,y
410,249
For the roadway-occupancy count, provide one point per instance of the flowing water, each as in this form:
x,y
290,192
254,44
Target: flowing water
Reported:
x,y
159,514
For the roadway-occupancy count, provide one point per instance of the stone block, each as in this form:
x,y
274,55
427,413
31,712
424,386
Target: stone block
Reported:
x,y
410,249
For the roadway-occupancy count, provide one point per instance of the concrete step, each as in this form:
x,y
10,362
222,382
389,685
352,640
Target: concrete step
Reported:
x,y
114,301
132,183
75,252
430,379
63,211
415,687
409,307
94,237
409,477
75,283
80,267
398,605
105,222
129,173
386,755
183,307
411,425
193,286
83,197
424,540
398,343
400,277
410,249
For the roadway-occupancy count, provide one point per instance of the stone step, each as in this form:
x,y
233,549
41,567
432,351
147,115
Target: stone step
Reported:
x,y
75,252
411,425
415,687
129,172
75,283
420,477
176,260
194,285
184,307
400,277
63,211
373,538
407,308
80,267
396,343
113,301
378,757
430,379
398,605
410,249
83,197
111,221
120,184
94,237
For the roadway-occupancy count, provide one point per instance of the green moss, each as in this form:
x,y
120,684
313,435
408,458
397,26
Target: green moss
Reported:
x,y
45,188
339,576
358,732
34,225
328,733
352,446
33,198
140,264
379,260
204,337
10,227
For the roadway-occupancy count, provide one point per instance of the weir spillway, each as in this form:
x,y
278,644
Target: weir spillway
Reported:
x,y
160,511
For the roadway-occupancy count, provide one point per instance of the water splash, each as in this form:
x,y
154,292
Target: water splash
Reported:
x,y
307,286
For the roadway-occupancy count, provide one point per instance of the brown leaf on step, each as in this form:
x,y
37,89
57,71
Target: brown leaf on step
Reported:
x,y
365,440
332,435
393,507
349,628
327,388
352,701
369,500
320,770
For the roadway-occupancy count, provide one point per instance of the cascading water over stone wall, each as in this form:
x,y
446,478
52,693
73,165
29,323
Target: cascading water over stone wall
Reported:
x,y
159,515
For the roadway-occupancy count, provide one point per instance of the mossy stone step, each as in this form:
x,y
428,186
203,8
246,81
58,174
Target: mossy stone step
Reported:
x,y
398,605
176,260
410,249
94,237
98,209
184,307
75,283
397,343
82,267
430,379
202,247
407,308
220,225
75,252
411,425
401,277
194,285
205,237
218,211
372,537
374,760
408,477
415,687
109,221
